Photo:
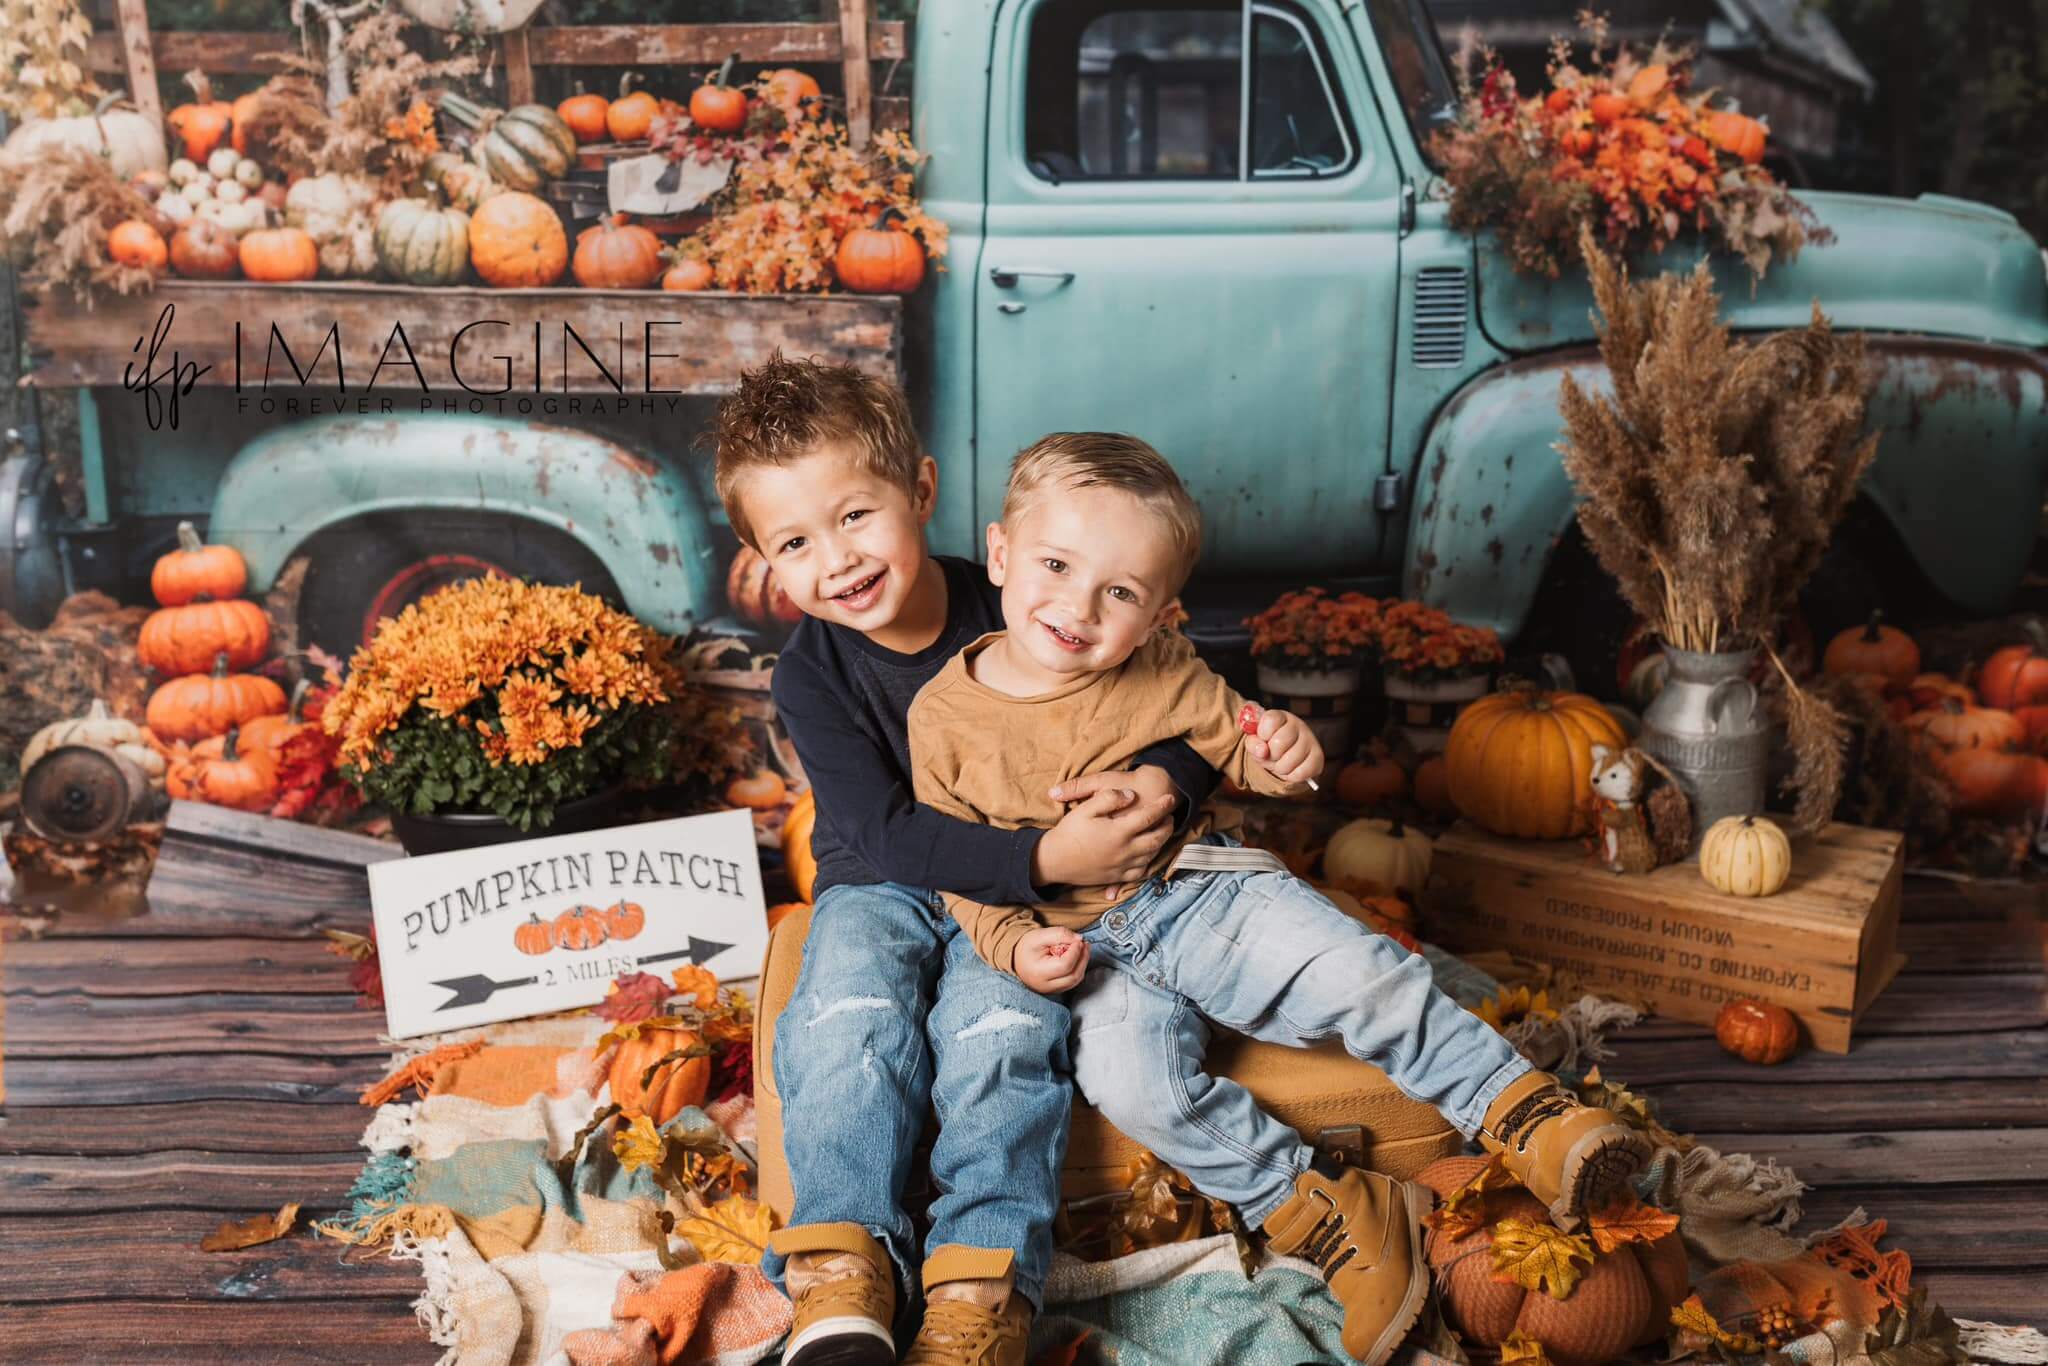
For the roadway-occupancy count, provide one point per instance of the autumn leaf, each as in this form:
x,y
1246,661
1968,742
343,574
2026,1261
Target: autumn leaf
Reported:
x,y
734,1230
1692,1317
693,979
632,997
1519,1349
356,947
1465,1211
1629,1221
639,1145
633,1029
260,1228
1539,1257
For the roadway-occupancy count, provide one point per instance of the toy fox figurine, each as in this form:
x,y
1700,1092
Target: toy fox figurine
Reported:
x,y
1636,835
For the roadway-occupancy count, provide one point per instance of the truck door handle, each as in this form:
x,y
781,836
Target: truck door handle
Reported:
x,y
1003,278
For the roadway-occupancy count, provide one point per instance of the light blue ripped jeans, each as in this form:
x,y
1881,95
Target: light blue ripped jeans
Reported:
x,y
1266,955
894,1014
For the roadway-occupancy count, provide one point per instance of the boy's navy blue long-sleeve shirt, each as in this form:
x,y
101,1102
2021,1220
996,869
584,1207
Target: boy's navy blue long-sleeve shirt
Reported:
x,y
846,700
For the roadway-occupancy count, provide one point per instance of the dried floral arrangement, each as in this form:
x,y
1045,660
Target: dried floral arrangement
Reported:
x,y
1713,478
1312,630
1622,144
56,210
503,696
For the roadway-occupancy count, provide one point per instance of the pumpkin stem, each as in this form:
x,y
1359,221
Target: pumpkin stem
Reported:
x,y
625,83
294,711
108,101
227,746
98,711
188,539
220,664
1397,827
1872,627
725,70
2037,635
202,88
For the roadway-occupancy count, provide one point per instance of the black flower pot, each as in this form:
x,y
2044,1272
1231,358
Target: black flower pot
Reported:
x,y
444,831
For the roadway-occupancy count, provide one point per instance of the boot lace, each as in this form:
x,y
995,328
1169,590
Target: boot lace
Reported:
x,y
1329,1243
955,1331
1530,1113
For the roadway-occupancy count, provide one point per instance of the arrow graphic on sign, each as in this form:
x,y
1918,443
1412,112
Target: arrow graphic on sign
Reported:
x,y
476,988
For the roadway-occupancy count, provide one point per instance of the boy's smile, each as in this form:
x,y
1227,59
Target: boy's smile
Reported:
x,y
1086,574
847,545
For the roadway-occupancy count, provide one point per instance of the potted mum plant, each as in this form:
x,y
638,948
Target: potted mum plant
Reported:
x,y
1433,666
496,709
1312,648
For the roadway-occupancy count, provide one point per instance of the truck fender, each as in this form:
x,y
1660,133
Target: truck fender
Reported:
x,y
642,520
1961,462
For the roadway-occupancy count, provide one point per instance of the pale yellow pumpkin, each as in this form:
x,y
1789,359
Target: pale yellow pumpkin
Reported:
x,y
1371,857
102,730
1745,856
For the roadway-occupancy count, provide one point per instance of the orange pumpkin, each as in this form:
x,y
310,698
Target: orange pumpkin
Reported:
x,y
1873,648
788,88
205,705
678,1084
580,927
796,845
1608,107
586,114
2034,720
1519,762
1433,788
203,250
135,243
751,588
2016,676
617,255
1990,782
196,570
184,640
631,115
624,919
201,124
1370,779
278,255
1623,1301
225,772
687,276
762,791
1756,1031
270,734
1648,83
535,936
240,114
516,241
1926,692
1954,725
718,106
781,911
1737,134
879,260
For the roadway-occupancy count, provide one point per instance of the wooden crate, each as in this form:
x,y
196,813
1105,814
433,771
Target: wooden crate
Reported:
x,y
1824,947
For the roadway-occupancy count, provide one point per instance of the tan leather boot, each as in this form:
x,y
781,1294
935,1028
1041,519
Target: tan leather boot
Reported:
x,y
1572,1157
1363,1230
973,1315
845,1294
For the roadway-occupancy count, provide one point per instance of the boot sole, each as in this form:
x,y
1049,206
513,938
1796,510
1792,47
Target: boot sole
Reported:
x,y
1600,1169
845,1349
1421,1201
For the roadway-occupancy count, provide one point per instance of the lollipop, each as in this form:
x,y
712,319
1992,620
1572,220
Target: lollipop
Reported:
x,y
1248,721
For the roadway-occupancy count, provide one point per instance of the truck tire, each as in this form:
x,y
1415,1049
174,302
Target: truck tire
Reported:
x,y
361,573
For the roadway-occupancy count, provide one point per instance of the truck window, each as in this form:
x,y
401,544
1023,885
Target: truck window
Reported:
x,y
1123,89
1415,59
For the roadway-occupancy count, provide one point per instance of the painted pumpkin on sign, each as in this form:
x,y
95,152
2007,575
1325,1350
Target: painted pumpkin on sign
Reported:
x,y
580,927
624,919
535,936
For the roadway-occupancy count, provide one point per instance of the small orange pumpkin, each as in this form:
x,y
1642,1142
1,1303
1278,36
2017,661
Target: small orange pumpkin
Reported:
x,y
1433,788
586,114
718,106
516,241
1873,648
624,919
761,791
617,254
1954,725
781,911
271,734
580,927
788,88
1991,782
224,772
1608,107
1926,692
1757,1031
879,260
2016,676
796,845
203,705
1737,134
201,124
278,255
135,243
196,570
241,115
687,276
1520,761
535,936
203,250
630,116
680,1083
1370,779
751,588
184,640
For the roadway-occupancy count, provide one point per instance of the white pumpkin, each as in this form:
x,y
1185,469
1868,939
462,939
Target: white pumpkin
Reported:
x,y
198,189
1745,856
230,192
1371,857
248,174
102,730
130,142
174,206
339,213
221,164
183,171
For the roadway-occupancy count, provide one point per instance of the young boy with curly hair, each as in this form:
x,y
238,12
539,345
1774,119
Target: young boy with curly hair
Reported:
x,y
821,471
1096,539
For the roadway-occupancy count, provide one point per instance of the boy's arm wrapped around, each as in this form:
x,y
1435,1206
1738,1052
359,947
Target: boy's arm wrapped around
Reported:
x,y
1203,710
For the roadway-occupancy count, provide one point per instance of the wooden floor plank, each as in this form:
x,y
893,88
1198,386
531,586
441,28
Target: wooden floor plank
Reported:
x,y
1922,1004
173,1077
154,1254
177,1332
1923,1157
202,1126
1947,946
1847,1106
174,967
76,1026
240,1182
1985,1228
2013,1298
205,890
1644,1061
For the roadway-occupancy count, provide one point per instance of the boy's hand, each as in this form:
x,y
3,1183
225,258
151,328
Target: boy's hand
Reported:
x,y
1286,747
1109,838
1050,960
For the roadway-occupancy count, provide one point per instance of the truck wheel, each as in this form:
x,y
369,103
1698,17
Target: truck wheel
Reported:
x,y
358,576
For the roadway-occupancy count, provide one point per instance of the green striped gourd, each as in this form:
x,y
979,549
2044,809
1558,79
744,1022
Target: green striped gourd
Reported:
x,y
523,148
462,183
422,243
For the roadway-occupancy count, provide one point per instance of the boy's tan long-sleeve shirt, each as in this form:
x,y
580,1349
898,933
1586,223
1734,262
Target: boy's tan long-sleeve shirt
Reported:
x,y
982,755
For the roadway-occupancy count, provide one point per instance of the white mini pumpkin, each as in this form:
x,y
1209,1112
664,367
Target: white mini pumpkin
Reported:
x,y
102,730
221,164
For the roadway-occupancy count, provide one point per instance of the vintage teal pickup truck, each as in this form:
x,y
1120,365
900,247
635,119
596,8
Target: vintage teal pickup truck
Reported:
x,y
1214,224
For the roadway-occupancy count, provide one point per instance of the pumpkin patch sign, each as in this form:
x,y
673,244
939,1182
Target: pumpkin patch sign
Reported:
x,y
510,930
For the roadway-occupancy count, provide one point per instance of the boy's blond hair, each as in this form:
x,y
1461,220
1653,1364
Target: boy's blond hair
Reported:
x,y
1077,460
783,410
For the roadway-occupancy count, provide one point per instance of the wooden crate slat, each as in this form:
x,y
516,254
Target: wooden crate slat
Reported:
x,y
229,1183
140,1332
138,60
89,1130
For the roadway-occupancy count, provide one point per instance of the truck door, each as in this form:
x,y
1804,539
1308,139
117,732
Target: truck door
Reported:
x,y
1192,235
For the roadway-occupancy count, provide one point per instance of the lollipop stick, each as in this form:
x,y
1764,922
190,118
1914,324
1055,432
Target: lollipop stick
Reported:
x,y
1248,721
